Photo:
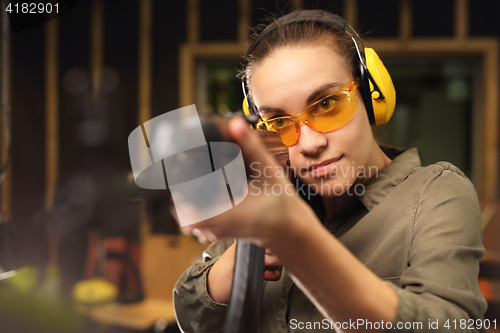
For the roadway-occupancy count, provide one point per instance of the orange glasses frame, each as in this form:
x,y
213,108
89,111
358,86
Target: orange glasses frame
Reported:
x,y
290,135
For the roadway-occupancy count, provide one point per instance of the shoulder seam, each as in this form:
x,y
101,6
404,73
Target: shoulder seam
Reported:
x,y
446,166
443,166
414,214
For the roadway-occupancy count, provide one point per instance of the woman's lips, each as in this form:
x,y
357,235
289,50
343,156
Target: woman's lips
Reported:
x,y
324,168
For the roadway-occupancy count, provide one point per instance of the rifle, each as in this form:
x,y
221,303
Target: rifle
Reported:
x,y
249,271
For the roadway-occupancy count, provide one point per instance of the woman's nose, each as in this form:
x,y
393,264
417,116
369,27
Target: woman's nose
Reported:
x,y
310,140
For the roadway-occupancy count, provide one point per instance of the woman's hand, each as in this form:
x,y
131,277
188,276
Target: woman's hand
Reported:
x,y
272,206
272,266
220,276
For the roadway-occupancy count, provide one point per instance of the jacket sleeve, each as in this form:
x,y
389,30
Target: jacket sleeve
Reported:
x,y
195,310
440,284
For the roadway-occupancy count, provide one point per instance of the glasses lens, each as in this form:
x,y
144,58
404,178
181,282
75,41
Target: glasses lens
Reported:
x,y
332,112
285,127
280,124
291,135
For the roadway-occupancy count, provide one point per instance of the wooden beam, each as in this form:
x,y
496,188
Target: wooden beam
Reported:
x,y
193,21
491,90
5,107
187,76
96,47
216,50
145,59
51,110
405,20
478,45
487,214
461,16
52,128
350,12
244,20
478,105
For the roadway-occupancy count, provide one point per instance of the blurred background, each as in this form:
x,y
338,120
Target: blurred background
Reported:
x,y
82,249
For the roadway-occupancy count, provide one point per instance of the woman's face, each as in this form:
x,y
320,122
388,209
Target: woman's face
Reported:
x,y
292,78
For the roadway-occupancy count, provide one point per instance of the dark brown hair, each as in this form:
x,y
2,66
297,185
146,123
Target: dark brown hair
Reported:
x,y
310,33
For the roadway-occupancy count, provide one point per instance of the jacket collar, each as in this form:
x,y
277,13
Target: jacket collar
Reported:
x,y
403,161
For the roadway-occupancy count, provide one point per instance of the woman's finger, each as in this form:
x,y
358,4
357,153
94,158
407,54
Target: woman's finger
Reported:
x,y
198,234
260,162
271,260
208,234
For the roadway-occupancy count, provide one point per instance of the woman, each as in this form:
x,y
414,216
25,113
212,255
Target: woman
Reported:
x,y
379,241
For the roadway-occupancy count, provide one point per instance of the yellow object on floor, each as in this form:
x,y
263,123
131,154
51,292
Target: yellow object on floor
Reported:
x,y
93,293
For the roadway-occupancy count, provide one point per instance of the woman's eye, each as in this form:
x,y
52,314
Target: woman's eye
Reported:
x,y
327,104
279,122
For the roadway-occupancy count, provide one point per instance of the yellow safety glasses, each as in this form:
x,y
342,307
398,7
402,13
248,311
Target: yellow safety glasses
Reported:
x,y
325,115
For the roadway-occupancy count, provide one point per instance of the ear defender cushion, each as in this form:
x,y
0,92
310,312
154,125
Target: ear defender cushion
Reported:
x,y
382,108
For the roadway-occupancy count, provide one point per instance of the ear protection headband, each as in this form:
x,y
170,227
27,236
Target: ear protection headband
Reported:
x,y
377,90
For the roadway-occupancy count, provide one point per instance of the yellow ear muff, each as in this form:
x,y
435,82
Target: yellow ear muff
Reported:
x,y
246,111
382,108
245,107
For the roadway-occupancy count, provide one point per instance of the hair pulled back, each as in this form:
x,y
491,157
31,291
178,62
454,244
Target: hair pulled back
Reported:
x,y
308,33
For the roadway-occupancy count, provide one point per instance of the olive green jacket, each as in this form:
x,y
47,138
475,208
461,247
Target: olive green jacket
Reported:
x,y
418,228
